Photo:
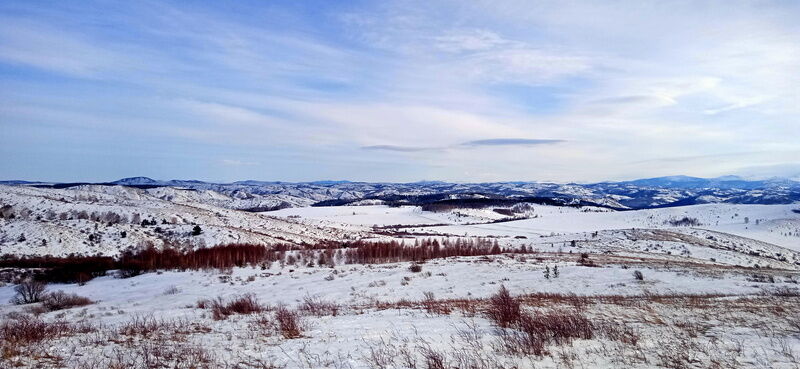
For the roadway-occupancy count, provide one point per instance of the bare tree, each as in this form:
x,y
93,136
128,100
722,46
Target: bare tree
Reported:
x,y
28,292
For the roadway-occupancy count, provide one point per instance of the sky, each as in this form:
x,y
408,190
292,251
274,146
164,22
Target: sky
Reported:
x,y
401,91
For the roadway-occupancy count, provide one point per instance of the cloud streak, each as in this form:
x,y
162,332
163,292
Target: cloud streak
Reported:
x,y
475,144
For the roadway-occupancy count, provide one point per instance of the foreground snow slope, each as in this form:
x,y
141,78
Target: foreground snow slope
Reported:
x,y
350,337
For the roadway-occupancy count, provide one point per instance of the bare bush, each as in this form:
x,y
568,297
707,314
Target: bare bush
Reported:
x,y
415,268
245,304
172,290
288,322
503,308
60,300
29,292
638,275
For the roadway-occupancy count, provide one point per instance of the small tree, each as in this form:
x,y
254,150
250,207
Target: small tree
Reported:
x,y
547,271
196,231
638,275
28,292
555,271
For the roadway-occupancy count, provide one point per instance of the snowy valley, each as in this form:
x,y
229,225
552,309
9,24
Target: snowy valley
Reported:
x,y
425,279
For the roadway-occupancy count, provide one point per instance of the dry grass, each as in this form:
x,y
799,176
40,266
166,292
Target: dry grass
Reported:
x,y
316,306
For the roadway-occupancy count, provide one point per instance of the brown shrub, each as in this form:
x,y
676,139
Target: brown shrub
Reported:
x,y
288,322
245,304
503,308
60,300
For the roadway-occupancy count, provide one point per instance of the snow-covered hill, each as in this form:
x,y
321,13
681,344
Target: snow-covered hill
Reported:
x,y
91,219
637,194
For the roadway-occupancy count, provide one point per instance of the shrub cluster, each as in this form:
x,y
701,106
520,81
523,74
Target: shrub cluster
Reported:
x,y
530,332
221,309
60,300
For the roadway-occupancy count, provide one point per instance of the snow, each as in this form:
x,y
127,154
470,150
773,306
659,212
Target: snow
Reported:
x,y
742,252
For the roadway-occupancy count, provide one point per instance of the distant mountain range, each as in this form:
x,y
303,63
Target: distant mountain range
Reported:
x,y
635,194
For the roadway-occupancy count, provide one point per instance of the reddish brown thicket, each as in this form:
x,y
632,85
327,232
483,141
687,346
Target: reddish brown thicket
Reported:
x,y
83,268
217,257
423,249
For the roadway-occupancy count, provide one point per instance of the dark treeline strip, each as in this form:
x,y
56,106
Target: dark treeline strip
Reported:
x,y
440,202
482,203
70,269
79,269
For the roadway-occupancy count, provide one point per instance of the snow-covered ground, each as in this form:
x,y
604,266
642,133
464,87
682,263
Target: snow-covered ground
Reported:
x,y
719,292
382,215
360,324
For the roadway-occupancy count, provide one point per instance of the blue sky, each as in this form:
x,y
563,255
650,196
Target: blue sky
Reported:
x,y
399,90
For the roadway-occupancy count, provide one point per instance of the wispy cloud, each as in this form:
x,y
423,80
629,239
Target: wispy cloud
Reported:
x,y
399,148
509,142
